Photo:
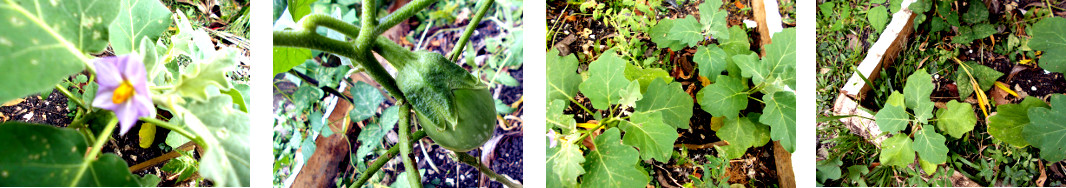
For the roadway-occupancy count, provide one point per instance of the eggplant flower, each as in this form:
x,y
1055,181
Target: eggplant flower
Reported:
x,y
123,90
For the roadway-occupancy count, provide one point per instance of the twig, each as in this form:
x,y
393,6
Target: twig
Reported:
x,y
470,160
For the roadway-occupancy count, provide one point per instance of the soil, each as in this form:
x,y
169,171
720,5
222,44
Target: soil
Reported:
x,y
34,109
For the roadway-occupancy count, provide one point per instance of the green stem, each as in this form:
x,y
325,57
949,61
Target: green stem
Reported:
x,y
470,27
313,21
71,97
175,128
95,150
472,161
308,39
397,56
413,176
378,163
369,23
407,11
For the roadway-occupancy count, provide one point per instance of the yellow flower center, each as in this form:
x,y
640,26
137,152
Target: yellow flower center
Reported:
x,y
122,93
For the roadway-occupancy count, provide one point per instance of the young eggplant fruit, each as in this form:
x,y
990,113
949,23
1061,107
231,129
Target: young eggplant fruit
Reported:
x,y
454,108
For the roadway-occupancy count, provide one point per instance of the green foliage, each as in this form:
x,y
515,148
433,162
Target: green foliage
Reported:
x,y
365,101
660,35
1047,37
1009,121
564,163
741,133
930,146
137,19
957,119
604,81
878,17
1047,131
227,161
985,77
780,114
648,132
54,156
713,19
613,164
724,98
916,95
671,100
711,60
564,80
893,116
687,31
896,151
51,41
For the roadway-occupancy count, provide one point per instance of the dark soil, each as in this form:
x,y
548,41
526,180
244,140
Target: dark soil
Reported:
x,y
34,109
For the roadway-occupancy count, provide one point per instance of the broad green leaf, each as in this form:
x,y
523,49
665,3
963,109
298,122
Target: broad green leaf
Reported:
x,y
44,155
1047,131
751,67
374,134
828,170
604,81
780,114
225,130
46,41
855,173
671,100
318,124
928,167
562,76
285,58
976,13
878,17
982,30
643,75
741,134
613,164
660,32
896,151
957,119
556,118
137,19
780,59
564,164
930,146
366,99
985,77
893,117
687,31
1009,121
299,8
713,19
630,94
726,97
1048,37
711,61
653,138
211,72
916,95
194,43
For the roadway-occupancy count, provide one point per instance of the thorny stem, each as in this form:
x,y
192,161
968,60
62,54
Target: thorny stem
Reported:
x,y
472,161
311,40
374,167
367,21
71,97
470,27
413,176
175,128
95,150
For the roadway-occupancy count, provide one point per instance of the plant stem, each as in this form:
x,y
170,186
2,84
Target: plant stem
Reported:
x,y
407,11
175,128
312,21
470,27
470,160
311,40
95,150
71,97
374,167
369,24
413,176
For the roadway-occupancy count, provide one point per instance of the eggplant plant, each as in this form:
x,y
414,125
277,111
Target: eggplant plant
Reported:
x,y
55,42
638,113
454,107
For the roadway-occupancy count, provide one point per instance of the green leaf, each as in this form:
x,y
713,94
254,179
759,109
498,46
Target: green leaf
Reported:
x,y
724,98
780,114
1009,121
185,166
780,60
977,12
556,117
613,164
893,117
300,8
828,170
930,146
44,42
211,72
671,100
374,133
878,17
687,31
366,99
137,19
643,75
983,30
318,124
855,173
630,94
1047,37
564,164
927,166
711,61
916,95
896,151
653,138
604,81
957,119
285,58
225,131
741,134
985,77
659,34
562,76
713,19
48,156
1047,131
751,67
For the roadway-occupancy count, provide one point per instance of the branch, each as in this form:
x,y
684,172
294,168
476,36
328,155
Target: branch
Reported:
x,y
470,27
413,176
470,160
374,167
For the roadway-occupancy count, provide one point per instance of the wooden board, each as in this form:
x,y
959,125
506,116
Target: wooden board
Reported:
x,y
766,14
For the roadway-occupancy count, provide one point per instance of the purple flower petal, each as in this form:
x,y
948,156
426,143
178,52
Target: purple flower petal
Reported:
x,y
111,72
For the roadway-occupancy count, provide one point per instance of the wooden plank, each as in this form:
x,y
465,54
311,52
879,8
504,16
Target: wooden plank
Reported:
x,y
883,52
769,21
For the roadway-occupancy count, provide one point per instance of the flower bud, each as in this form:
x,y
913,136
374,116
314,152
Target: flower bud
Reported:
x,y
454,107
